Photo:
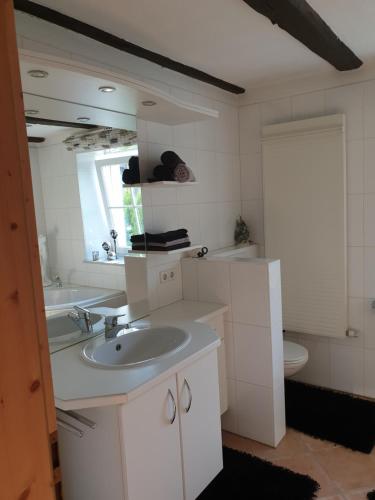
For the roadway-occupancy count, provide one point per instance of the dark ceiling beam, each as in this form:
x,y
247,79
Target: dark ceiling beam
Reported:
x,y
33,120
37,140
301,21
72,24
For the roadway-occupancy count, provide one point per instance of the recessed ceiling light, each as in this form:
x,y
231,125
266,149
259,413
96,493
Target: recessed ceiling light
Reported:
x,y
148,103
31,111
83,119
107,89
38,73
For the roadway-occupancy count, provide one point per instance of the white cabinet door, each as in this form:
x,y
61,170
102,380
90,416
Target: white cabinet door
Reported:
x,y
199,404
151,445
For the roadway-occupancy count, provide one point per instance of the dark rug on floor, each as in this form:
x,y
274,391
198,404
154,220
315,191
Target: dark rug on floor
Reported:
x,y
334,416
371,495
246,477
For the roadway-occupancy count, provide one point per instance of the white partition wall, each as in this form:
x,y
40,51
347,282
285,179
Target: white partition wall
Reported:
x,y
304,182
253,339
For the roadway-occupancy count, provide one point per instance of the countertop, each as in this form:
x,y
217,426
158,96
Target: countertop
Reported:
x,y
78,385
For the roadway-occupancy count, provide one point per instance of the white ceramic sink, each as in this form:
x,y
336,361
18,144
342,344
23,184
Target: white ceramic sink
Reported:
x,y
135,347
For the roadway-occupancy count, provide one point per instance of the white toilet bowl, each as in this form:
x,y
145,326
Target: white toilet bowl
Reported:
x,y
295,358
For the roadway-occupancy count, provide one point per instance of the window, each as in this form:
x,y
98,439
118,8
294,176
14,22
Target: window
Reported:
x,y
123,205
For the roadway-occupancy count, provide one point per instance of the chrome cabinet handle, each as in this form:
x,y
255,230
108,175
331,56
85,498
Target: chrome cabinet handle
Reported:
x,y
174,407
186,383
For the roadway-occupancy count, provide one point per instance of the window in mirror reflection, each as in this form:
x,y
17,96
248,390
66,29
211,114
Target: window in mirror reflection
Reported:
x,y
106,203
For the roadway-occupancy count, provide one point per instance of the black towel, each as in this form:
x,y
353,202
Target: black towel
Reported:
x,y
163,173
149,247
160,237
131,175
170,159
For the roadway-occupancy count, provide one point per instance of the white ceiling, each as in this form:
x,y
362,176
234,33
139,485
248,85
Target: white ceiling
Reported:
x,y
46,131
226,37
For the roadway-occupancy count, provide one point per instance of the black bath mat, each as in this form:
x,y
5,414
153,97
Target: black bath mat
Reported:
x,y
371,495
246,477
334,416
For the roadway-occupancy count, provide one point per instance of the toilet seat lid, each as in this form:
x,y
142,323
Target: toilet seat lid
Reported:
x,y
293,353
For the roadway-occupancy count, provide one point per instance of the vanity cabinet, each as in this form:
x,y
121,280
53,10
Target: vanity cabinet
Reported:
x,y
163,445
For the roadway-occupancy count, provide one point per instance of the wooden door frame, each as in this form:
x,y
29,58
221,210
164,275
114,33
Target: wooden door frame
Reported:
x,y
27,413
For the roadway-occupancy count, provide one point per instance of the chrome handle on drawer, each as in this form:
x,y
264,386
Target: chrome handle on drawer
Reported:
x,y
170,394
69,427
186,383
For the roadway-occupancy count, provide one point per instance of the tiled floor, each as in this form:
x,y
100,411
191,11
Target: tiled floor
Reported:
x,y
342,474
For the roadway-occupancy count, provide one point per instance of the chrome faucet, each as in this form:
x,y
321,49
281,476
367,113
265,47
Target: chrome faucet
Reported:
x,y
58,282
112,328
82,318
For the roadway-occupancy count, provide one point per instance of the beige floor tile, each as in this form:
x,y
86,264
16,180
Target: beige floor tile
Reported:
x,y
306,464
349,469
315,444
358,495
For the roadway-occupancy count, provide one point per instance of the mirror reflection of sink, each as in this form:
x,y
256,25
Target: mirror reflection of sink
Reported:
x,y
62,328
135,347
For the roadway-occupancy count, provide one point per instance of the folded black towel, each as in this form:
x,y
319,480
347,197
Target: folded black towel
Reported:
x,y
160,237
170,159
162,245
131,175
149,247
163,173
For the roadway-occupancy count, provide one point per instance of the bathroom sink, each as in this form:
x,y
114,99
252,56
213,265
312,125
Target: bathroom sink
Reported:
x,y
62,328
135,347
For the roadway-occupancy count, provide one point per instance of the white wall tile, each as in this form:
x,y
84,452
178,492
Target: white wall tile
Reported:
x,y
189,269
347,369
308,105
355,219
252,214
369,324
369,166
229,349
317,369
355,271
251,176
213,282
159,133
255,412
250,293
369,109
369,222
370,373
347,100
209,222
250,125
253,354
277,111
369,272
355,166
229,419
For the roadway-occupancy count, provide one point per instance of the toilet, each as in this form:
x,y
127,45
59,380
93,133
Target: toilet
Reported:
x,y
295,358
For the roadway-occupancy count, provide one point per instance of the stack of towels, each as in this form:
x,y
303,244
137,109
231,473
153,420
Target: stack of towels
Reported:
x,y
172,168
171,240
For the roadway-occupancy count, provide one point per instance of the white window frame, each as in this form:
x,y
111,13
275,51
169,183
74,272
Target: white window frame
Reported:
x,y
99,164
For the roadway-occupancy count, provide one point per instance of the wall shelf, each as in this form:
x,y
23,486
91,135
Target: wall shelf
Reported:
x,y
166,252
162,184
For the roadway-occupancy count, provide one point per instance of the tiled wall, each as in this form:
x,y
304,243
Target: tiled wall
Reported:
x,y
253,339
343,364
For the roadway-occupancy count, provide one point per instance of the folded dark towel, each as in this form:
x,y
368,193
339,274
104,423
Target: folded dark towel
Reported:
x,y
131,175
163,173
160,237
181,173
162,245
170,159
139,248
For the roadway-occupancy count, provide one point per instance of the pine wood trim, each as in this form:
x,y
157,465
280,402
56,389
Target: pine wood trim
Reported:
x,y
27,414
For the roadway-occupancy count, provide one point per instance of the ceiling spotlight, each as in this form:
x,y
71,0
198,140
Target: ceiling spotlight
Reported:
x,y
83,119
148,103
38,73
31,111
107,89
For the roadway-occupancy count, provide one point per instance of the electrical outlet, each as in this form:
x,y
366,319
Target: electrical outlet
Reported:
x,y
168,275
